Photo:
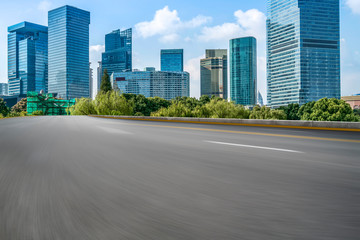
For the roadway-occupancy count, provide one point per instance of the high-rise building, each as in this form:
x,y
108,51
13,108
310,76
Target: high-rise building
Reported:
x,y
167,85
91,82
172,60
69,52
303,48
260,100
213,72
243,71
4,91
118,51
99,75
27,58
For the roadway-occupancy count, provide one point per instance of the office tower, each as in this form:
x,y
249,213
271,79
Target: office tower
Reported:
x,y
118,51
91,82
27,58
172,60
99,75
167,85
243,67
69,52
213,72
303,49
4,91
260,100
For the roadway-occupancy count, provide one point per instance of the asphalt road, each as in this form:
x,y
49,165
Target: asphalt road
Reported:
x,y
90,178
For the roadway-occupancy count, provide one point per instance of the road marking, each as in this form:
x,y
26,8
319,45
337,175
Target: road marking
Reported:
x,y
251,146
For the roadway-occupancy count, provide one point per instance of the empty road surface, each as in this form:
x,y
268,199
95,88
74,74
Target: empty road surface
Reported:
x,y
90,178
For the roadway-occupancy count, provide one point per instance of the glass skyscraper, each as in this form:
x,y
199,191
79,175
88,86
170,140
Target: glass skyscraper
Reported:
x,y
243,71
69,52
172,60
27,58
4,89
213,72
303,49
118,51
167,85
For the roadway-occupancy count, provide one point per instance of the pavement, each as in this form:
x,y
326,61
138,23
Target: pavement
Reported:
x,y
90,178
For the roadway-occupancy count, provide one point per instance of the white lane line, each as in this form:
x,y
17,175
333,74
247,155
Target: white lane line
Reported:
x,y
250,146
114,130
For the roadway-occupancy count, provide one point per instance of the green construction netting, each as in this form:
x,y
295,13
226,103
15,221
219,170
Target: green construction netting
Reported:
x,y
48,104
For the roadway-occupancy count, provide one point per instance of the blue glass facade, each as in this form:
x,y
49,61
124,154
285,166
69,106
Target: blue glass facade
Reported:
x,y
167,85
303,49
4,89
172,60
27,58
69,52
243,71
118,51
213,73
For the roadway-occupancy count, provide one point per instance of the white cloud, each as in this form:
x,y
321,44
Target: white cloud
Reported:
x,y
354,5
192,66
44,6
249,23
169,38
167,24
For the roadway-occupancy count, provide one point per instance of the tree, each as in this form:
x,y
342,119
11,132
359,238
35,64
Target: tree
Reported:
x,y
176,109
291,111
112,103
105,85
328,110
4,110
267,113
21,106
220,108
83,106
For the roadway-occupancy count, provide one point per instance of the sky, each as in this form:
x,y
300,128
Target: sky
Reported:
x,y
188,24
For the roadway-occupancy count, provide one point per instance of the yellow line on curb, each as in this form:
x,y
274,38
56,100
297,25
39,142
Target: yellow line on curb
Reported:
x,y
236,124
239,132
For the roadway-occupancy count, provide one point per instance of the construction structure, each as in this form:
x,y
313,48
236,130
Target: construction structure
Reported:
x,y
48,104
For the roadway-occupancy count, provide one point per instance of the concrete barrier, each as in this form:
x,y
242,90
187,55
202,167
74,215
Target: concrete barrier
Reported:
x,y
339,126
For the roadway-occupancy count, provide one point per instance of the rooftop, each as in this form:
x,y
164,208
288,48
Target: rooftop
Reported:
x,y
25,27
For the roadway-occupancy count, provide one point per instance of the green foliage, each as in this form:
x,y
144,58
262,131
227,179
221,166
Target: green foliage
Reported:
x,y
328,110
144,105
105,85
219,108
83,106
291,111
357,112
176,109
38,113
191,107
17,114
4,110
21,106
204,99
267,113
112,103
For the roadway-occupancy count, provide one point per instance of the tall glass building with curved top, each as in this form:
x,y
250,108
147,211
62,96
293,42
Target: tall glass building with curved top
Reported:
x,y
69,52
27,58
303,49
243,71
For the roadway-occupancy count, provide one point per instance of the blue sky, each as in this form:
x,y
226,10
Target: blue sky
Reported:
x,y
192,25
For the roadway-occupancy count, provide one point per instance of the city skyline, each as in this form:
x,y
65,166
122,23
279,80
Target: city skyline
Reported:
x,y
194,30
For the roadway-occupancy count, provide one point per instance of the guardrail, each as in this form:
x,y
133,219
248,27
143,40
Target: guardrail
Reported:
x,y
338,126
